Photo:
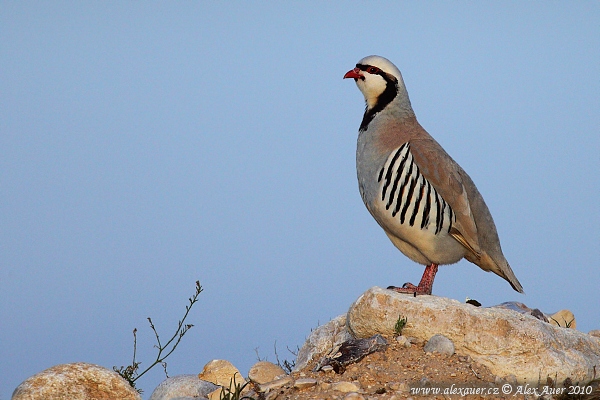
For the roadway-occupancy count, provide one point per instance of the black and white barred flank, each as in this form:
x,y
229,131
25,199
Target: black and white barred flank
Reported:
x,y
406,192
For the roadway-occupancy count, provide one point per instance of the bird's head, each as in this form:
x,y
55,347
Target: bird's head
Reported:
x,y
379,80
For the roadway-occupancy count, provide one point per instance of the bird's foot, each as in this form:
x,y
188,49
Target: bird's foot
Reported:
x,y
425,285
409,288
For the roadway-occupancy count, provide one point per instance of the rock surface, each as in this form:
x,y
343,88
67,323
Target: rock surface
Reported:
x,y
76,381
506,342
181,386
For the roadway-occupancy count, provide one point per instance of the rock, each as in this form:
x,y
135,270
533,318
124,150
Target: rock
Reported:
x,y
595,332
182,386
322,340
276,384
264,371
564,318
304,383
76,381
505,341
439,344
345,387
403,341
222,373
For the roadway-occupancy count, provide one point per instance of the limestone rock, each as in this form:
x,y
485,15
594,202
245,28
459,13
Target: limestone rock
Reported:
x,y
505,341
76,381
264,371
222,373
322,340
182,386
595,332
439,344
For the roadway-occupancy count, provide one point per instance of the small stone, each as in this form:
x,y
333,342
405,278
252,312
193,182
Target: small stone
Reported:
x,y
402,340
439,344
324,386
222,373
345,387
595,332
276,384
182,386
81,381
305,383
264,371
326,368
453,374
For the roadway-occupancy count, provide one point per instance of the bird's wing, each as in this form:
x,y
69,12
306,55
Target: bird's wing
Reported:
x,y
445,175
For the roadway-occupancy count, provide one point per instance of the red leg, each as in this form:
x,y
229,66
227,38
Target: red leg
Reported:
x,y
424,286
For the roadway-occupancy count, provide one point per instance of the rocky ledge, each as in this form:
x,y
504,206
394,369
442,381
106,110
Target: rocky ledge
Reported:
x,y
505,341
362,355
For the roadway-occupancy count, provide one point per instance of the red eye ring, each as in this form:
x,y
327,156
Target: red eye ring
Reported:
x,y
373,70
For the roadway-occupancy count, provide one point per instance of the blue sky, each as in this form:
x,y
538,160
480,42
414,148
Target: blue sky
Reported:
x,y
144,146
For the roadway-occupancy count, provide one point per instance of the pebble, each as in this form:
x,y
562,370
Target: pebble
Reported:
x,y
264,371
345,387
403,341
464,359
305,383
595,332
439,344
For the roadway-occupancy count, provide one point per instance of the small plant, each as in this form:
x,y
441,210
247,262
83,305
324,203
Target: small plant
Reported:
x,y
400,324
287,366
234,392
131,374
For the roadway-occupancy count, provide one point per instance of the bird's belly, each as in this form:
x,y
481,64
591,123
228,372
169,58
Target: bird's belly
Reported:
x,y
423,246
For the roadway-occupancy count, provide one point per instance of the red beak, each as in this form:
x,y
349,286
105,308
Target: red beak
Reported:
x,y
354,73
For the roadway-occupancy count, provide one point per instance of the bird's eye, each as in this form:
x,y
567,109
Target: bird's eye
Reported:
x,y
373,70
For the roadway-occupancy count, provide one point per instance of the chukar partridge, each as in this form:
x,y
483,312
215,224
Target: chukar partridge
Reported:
x,y
425,202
